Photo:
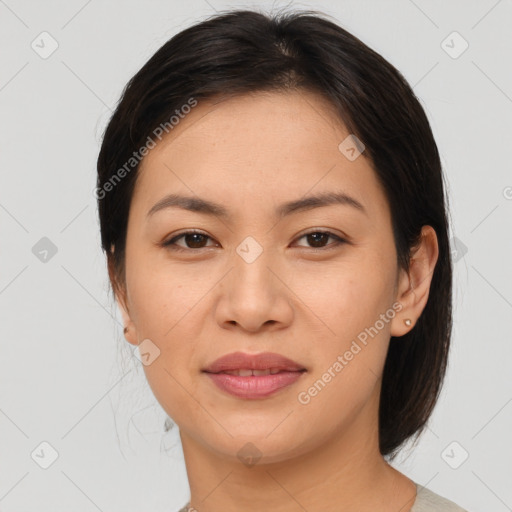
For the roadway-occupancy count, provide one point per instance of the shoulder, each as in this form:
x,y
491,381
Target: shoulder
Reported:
x,y
429,501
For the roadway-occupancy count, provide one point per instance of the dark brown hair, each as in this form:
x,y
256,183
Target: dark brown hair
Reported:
x,y
246,51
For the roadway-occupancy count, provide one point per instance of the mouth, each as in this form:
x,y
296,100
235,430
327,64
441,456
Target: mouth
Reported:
x,y
255,376
247,372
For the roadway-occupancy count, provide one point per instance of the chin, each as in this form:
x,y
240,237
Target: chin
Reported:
x,y
257,447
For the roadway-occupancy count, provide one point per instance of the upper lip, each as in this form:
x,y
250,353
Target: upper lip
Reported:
x,y
262,361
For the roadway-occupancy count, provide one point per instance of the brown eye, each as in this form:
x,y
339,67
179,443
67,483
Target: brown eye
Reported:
x,y
319,239
192,239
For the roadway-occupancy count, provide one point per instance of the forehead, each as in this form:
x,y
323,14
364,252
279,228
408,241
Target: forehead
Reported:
x,y
265,125
277,146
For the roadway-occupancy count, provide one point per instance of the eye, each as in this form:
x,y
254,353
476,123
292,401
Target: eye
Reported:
x,y
193,240
318,238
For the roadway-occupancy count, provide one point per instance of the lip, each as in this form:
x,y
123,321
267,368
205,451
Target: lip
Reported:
x,y
254,386
262,361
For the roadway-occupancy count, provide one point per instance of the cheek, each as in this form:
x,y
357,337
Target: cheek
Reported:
x,y
161,297
345,299
348,369
355,308
163,312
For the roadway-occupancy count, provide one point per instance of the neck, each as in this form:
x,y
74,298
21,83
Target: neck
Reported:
x,y
346,472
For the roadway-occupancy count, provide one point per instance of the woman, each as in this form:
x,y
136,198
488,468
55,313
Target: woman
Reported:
x,y
273,213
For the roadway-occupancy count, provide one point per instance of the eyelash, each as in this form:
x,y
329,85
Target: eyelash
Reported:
x,y
171,244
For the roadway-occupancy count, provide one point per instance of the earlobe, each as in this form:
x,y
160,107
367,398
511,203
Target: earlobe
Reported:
x,y
130,334
120,294
129,330
414,286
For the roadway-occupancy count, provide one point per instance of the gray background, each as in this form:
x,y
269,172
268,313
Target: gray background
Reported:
x,y
67,375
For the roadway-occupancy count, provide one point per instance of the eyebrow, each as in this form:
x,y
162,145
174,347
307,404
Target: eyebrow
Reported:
x,y
199,205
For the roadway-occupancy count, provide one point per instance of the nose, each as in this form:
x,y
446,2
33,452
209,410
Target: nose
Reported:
x,y
254,296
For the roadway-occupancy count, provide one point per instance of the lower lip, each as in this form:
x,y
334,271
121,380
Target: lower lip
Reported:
x,y
254,386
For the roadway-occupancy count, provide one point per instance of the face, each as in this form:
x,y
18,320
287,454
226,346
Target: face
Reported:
x,y
315,282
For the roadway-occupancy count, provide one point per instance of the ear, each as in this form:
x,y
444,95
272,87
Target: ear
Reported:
x,y
121,296
414,287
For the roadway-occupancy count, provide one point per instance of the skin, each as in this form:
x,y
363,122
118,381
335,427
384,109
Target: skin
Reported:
x,y
303,297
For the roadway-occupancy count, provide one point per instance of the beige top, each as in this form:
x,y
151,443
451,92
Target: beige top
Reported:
x,y
426,501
